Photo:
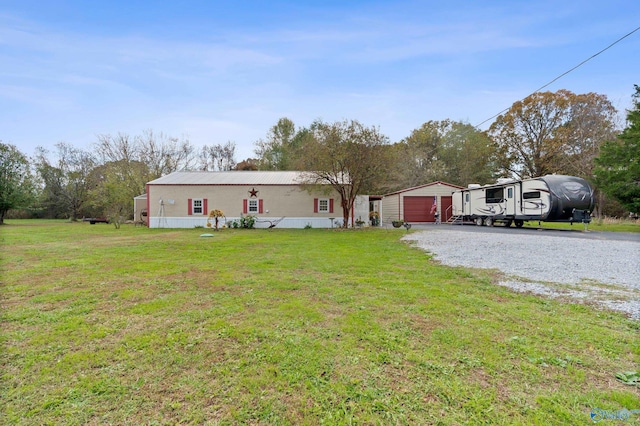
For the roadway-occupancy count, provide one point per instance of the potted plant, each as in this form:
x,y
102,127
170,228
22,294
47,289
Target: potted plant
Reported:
x,y
374,217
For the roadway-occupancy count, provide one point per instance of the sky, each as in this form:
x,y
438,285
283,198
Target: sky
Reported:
x,y
217,71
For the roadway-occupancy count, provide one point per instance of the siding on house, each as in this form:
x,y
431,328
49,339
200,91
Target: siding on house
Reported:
x,y
184,199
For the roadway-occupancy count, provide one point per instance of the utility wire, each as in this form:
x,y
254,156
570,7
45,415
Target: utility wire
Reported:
x,y
565,73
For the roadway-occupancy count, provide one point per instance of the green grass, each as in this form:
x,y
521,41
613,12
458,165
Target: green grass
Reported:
x,y
597,224
140,326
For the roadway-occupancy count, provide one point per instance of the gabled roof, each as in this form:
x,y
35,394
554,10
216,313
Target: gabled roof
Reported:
x,y
232,178
424,186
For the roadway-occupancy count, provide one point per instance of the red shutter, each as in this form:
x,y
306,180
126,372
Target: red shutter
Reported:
x,y
204,207
190,208
330,205
245,206
260,206
315,205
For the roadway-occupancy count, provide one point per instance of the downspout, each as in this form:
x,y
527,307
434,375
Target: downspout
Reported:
x,y
353,213
148,207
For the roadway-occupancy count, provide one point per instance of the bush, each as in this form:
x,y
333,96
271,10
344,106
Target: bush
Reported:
x,y
246,222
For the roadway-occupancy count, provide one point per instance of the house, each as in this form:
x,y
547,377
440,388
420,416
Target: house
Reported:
x,y
419,204
184,200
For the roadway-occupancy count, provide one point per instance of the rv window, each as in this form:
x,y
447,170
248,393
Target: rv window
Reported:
x,y
509,192
495,195
466,197
530,195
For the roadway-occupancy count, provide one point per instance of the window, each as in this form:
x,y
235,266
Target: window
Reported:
x,y
466,197
495,195
323,205
197,206
252,206
509,192
531,195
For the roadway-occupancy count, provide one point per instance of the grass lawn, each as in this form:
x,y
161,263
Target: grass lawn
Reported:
x,y
153,326
597,224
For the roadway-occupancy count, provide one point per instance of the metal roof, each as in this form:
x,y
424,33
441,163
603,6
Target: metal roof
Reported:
x,y
232,178
439,182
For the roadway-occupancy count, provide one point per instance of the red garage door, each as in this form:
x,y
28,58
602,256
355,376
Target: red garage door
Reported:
x,y
418,209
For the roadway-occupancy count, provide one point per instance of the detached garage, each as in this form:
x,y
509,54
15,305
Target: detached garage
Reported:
x,y
419,204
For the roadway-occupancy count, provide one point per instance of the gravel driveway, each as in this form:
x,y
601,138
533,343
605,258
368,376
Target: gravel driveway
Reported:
x,y
589,268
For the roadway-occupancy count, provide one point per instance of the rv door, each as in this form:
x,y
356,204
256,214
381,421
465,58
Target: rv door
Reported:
x,y
510,200
466,203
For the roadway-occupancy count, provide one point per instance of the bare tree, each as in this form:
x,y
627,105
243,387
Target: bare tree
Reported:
x,y
164,154
218,157
129,162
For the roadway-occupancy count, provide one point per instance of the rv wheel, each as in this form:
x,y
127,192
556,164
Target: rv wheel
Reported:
x,y
519,223
479,221
508,224
488,221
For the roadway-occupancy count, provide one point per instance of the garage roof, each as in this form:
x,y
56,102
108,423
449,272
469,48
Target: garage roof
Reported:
x,y
423,186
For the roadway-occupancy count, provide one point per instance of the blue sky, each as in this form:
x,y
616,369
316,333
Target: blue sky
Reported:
x,y
218,71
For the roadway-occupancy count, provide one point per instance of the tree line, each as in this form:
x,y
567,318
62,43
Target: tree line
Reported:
x,y
547,132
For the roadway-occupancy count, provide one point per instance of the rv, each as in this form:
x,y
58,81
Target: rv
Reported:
x,y
551,198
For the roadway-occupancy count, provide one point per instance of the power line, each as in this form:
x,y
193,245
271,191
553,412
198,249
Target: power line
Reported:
x,y
564,73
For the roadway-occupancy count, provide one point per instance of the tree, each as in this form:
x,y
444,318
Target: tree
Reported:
x,y
467,155
417,160
592,122
345,155
445,150
277,151
66,180
128,163
113,188
162,154
617,170
552,133
218,157
248,164
16,181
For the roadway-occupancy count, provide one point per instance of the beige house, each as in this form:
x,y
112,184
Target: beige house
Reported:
x,y
184,200
419,204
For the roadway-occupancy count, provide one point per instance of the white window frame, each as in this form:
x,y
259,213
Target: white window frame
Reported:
x,y
252,206
325,208
195,208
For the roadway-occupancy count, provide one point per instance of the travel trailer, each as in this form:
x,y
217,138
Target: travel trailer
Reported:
x,y
551,198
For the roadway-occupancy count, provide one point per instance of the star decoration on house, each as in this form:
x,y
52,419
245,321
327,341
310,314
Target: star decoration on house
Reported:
x,y
253,193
